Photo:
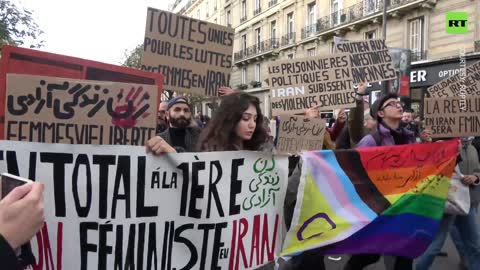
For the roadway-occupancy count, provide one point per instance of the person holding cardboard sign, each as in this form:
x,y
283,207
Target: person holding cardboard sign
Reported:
x,y
180,136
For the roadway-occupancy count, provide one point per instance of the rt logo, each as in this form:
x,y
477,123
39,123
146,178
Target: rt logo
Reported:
x,y
457,22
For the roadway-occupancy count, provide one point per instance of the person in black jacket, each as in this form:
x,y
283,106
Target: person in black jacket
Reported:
x,y
21,216
180,136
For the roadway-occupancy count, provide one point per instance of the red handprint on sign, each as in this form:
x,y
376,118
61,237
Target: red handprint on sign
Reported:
x,y
126,112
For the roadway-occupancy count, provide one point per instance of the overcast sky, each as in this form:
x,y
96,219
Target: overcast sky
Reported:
x,y
98,30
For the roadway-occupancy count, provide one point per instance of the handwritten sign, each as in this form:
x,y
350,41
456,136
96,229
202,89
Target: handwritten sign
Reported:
x,y
59,110
297,133
304,83
33,62
113,205
370,60
194,56
453,117
463,84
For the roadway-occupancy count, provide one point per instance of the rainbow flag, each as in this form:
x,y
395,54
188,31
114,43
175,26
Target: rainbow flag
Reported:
x,y
380,200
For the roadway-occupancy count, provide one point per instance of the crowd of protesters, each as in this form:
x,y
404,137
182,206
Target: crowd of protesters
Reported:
x,y
238,124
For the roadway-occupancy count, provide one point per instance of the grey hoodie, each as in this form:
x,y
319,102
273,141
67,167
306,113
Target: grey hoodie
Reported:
x,y
470,165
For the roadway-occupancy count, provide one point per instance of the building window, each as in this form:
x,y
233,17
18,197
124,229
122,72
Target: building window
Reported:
x,y
244,42
257,73
335,6
273,30
371,34
371,6
416,38
290,28
214,5
311,14
258,37
290,56
198,14
244,75
216,21
206,5
244,9
258,4
228,18
311,52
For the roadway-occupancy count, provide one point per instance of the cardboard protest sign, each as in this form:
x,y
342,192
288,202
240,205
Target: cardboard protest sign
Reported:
x,y
370,60
401,60
453,117
33,62
59,110
297,133
299,84
113,206
195,56
463,84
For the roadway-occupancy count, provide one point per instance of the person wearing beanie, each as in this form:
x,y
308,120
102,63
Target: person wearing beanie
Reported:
x,y
388,111
180,136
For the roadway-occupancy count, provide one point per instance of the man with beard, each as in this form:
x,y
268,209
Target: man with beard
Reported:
x,y
162,123
180,136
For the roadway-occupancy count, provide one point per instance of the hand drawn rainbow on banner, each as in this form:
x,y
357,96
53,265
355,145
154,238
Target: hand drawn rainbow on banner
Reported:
x,y
381,200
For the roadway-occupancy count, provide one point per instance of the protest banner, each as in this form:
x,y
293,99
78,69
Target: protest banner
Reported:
x,y
361,201
299,84
59,110
195,56
371,61
297,133
33,62
452,117
114,207
464,84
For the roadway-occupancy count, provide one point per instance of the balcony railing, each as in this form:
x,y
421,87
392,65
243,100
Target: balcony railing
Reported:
x,y
351,14
309,31
257,11
243,19
419,55
477,46
259,48
288,39
271,3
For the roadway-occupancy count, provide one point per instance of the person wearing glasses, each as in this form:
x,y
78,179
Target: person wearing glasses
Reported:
x,y
388,111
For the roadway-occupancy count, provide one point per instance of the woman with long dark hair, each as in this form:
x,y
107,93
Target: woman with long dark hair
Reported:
x,y
236,125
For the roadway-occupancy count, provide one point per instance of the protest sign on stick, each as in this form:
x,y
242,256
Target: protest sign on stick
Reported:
x,y
299,84
59,110
370,60
453,117
110,207
195,56
297,133
464,84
